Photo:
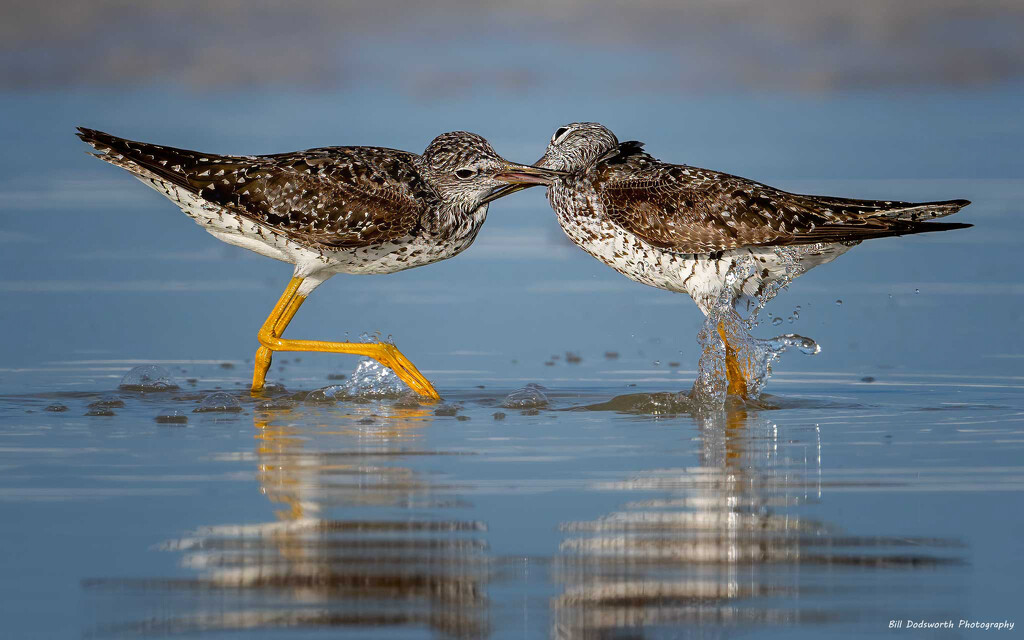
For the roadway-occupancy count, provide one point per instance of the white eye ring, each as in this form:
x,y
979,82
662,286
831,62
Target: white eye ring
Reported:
x,y
560,133
465,174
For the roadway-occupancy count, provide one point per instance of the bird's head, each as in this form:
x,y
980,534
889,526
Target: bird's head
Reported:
x,y
577,146
464,170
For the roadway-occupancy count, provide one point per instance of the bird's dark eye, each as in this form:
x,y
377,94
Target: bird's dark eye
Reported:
x,y
465,174
559,132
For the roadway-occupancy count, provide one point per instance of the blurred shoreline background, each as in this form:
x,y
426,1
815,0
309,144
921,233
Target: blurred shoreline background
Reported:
x,y
448,48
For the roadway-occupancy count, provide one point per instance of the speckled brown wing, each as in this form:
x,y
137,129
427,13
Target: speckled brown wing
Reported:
x,y
693,210
332,197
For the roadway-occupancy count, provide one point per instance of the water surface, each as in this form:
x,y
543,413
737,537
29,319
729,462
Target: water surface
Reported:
x,y
881,479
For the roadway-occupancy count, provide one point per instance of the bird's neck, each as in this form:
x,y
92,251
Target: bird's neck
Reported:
x,y
458,219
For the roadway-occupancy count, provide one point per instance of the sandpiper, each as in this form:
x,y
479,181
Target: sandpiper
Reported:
x,y
331,210
684,229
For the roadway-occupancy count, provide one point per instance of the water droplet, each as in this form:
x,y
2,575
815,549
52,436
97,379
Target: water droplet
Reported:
x,y
916,291
839,302
148,377
796,314
657,363
531,396
219,402
777,320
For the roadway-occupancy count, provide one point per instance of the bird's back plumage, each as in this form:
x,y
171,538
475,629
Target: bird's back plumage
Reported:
x,y
325,198
693,211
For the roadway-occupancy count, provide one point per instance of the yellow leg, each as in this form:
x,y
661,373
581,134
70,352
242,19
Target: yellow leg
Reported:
x,y
285,309
734,370
263,354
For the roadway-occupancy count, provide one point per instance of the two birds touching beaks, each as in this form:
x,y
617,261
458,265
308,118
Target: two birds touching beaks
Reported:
x,y
373,210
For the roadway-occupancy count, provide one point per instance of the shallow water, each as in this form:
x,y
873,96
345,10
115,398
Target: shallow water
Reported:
x,y
828,508
878,480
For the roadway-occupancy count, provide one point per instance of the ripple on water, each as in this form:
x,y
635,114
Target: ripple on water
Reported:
x,y
276,404
663,403
171,416
107,401
447,410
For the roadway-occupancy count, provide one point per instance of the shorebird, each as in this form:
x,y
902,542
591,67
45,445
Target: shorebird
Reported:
x,y
685,229
330,210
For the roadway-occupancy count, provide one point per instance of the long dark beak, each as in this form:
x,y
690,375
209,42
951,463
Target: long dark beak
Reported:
x,y
501,192
519,177
526,174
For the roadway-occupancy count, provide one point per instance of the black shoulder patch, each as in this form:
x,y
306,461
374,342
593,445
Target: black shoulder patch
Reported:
x,y
623,152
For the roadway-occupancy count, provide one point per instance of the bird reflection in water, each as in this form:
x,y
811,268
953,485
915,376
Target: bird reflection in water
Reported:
x,y
725,544
345,552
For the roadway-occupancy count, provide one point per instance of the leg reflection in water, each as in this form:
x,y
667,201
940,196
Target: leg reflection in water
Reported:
x,y
727,544
356,542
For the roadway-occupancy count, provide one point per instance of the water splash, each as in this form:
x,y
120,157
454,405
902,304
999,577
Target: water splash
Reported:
x,y
376,337
754,356
371,380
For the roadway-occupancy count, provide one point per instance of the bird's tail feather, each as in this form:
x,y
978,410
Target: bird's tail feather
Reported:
x,y
925,210
141,158
891,209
